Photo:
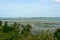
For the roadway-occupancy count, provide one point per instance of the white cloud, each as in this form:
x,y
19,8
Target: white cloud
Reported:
x,y
57,0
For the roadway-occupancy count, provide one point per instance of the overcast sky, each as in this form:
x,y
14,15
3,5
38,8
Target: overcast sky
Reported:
x,y
29,8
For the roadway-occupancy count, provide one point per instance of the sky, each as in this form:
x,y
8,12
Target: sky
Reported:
x,y
29,8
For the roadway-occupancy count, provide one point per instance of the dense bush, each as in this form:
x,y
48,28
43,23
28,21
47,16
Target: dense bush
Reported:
x,y
57,34
0,23
6,28
8,32
26,30
12,33
41,36
15,24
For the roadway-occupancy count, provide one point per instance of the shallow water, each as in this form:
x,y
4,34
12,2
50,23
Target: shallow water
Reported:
x,y
39,26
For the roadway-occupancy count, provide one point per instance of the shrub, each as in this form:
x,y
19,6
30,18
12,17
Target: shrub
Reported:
x,y
57,34
0,23
9,33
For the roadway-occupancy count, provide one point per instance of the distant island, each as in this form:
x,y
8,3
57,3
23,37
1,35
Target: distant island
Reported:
x,y
30,18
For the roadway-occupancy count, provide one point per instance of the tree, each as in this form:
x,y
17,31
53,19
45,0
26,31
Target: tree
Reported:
x,y
5,27
26,30
57,34
15,24
6,24
0,23
28,27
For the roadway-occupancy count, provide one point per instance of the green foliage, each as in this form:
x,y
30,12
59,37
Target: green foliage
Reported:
x,y
12,33
9,36
26,30
26,35
6,28
28,27
57,34
0,23
6,24
41,36
9,33
15,24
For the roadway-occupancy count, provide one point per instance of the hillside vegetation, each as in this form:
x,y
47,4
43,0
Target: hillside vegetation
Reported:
x,y
14,33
